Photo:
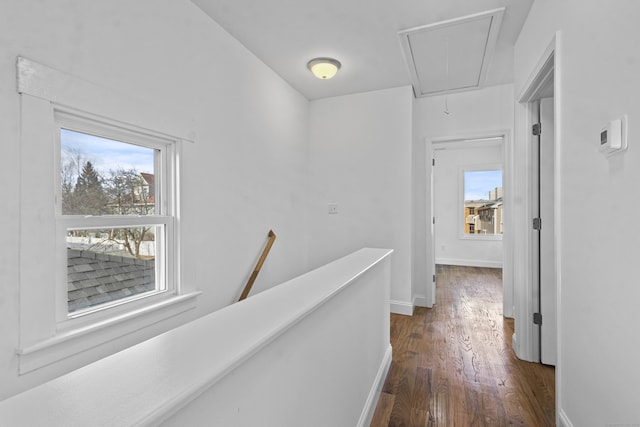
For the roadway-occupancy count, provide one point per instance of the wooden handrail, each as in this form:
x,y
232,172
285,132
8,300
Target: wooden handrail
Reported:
x,y
256,270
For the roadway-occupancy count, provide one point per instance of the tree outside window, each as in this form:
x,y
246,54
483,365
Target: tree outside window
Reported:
x,y
103,183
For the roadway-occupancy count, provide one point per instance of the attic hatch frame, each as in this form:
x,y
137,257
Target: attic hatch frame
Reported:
x,y
495,16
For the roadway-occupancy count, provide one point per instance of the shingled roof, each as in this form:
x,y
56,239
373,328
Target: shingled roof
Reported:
x,y
97,278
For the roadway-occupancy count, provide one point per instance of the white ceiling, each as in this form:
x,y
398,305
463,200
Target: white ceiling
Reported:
x,y
361,34
453,55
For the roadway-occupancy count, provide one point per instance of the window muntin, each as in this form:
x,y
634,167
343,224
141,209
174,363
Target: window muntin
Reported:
x,y
115,214
482,202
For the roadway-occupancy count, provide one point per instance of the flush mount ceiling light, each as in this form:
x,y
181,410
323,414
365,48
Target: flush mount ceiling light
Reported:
x,y
323,68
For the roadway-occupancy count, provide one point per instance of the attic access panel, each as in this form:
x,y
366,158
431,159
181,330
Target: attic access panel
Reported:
x,y
452,55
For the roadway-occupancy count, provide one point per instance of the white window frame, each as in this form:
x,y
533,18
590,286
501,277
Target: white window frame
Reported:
x,y
48,336
164,182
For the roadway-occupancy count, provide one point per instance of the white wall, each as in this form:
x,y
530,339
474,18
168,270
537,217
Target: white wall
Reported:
x,y
325,351
597,68
328,355
244,174
450,247
360,158
471,114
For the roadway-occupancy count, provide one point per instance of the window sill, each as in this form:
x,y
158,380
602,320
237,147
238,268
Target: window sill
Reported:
x,y
480,237
76,340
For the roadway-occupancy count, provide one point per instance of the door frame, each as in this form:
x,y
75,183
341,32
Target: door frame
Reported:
x,y
546,235
507,184
525,339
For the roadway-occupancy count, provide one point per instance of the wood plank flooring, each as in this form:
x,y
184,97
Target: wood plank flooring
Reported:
x,y
453,364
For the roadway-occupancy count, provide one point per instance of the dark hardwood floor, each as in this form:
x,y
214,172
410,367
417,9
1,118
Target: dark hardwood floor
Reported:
x,y
453,364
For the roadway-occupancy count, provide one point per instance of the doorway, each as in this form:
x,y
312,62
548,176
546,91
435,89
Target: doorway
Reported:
x,y
466,222
537,257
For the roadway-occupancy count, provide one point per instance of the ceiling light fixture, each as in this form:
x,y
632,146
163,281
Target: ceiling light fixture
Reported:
x,y
324,68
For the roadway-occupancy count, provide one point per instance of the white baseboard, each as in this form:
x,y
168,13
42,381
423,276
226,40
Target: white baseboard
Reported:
x,y
469,262
563,419
374,394
421,301
401,307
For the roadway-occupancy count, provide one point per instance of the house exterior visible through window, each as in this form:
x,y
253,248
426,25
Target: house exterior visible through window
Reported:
x,y
482,202
115,214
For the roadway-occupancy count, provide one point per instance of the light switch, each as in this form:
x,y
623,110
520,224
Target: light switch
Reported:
x,y
333,208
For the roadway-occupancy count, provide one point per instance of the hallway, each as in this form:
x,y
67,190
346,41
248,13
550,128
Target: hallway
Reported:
x,y
453,364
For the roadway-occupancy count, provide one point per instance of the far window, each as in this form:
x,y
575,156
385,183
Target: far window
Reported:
x,y
483,204
115,213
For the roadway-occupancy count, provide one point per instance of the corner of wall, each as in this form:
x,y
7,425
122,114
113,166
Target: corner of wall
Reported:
x,y
421,301
401,307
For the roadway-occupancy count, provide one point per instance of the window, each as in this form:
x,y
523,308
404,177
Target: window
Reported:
x,y
482,202
117,229
99,243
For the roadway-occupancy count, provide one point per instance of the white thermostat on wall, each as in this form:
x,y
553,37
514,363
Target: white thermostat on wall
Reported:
x,y
613,137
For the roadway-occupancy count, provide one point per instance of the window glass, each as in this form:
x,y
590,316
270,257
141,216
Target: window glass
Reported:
x,y
483,206
103,182
103,268
101,176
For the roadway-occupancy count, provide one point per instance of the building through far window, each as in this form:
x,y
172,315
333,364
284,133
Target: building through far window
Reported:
x,y
483,204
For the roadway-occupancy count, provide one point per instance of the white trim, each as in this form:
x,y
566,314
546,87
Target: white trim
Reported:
x,y
479,138
523,305
508,221
480,237
496,16
469,262
401,307
165,209
421,301
525,348
558,225
374,394
563,419
75,341
473,140
541,74
47,83
525,302
430,243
